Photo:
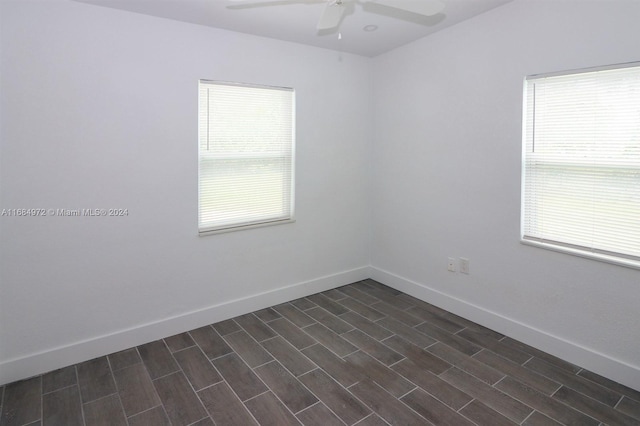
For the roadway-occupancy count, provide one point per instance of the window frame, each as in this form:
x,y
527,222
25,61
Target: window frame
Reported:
x,y
289,216
621,259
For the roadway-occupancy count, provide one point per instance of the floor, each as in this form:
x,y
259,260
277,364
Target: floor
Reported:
x,y
362,354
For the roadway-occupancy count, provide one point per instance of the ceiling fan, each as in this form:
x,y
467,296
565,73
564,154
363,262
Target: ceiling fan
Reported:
x,y
334,10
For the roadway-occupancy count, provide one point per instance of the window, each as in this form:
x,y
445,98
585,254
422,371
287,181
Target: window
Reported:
x,y
581,163
246,156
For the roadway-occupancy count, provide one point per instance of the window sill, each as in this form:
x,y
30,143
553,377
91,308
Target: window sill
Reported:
x,y
205,232
620,261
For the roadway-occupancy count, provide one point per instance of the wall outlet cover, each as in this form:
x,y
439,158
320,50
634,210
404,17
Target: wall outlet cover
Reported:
x,y
464,265
451,265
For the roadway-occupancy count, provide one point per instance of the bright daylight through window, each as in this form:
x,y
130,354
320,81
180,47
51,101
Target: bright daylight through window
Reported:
x,y
246,156
581,163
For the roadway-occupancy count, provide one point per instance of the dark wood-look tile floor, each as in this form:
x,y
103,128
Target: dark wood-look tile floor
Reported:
x,y
362,354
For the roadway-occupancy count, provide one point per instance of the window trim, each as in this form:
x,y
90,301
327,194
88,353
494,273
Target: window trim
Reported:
x,y
239,226
619,259
593,255
203,233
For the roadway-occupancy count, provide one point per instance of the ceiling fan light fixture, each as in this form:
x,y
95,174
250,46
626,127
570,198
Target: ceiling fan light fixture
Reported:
x,y
335,10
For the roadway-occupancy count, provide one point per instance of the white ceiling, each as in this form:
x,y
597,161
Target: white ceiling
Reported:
x,y
295,20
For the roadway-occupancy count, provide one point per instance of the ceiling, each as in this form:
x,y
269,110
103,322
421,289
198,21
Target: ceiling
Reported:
x,y
295,20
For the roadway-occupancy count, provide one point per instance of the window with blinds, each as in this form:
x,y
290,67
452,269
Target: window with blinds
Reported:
x,y
581,163
246,156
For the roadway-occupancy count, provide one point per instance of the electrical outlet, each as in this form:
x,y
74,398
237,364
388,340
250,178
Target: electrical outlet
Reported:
x,y
451,265
464,265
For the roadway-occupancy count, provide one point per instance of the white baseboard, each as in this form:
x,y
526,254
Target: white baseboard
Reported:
x,y
596,362
39,363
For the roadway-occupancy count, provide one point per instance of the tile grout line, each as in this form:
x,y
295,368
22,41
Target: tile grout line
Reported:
x,y
316,396
286,340
319,401
42,400
59,389
554,399
260,394
595,400
465,405
224,380
187,378
615,407
115,384
253,372
198,421
82,413
146,410
440,400
406,393
568,386
530,414
370,415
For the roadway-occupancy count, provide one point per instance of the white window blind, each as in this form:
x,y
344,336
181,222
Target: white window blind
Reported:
x,y
581,163
246,155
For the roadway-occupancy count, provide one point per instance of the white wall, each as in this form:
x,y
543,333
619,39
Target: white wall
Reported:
x,y
446,180
99,110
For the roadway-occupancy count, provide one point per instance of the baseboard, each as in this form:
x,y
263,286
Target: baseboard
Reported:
x,y
594,361
39,363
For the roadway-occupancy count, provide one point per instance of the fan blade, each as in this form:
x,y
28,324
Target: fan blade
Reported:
x,y
331,15
241,4
421,7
